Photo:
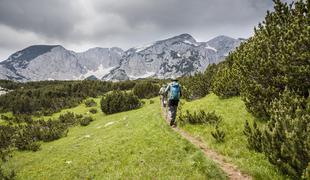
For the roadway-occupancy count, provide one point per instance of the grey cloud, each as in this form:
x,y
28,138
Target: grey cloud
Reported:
x,y
52,18
125,23
176,14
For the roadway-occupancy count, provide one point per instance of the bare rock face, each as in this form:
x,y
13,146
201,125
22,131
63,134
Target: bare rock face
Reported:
x,y
177,56
42,62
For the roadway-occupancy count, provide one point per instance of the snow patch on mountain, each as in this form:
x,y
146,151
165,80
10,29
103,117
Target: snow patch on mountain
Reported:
x,y
142,48
191,43
17,55
99,73
212,48
146,75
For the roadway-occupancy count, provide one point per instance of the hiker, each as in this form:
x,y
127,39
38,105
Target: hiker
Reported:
x,y
163,95
174,93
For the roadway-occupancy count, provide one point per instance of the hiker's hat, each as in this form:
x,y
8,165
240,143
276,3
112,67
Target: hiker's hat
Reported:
x,y
173,78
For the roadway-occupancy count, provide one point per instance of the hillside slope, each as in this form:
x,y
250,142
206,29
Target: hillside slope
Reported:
x,y
234,148
132,144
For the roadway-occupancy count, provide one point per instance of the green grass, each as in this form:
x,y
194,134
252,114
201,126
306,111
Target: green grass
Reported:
x,y
136,144
80,109
234,148
8,114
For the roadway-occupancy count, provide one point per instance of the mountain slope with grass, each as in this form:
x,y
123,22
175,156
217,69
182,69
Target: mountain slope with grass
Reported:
x,y
131,144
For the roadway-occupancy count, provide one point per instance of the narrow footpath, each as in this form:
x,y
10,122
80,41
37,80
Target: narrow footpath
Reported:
x,y
230,169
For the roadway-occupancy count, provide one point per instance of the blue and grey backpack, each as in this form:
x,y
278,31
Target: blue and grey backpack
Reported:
x,y
175,91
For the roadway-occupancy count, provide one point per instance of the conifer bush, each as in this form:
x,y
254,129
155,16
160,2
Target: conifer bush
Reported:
x,y
118,101
26,139
274,69
50,130
86,121
146,90
286,138
47,97
306,174
276,57
218,135
90,103
6,141
225,80
199,118
68,119
6,134
254,136
6,176
198,85
93,110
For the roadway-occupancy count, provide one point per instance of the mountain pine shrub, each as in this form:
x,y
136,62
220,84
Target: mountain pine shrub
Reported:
x,y
146,90
90,103
26,139
276,57
199,118
7,176
218,135
86,120
68,119
49,130
286,138
93,110
306,174
118,101
225,80
254,136
6,141
198,85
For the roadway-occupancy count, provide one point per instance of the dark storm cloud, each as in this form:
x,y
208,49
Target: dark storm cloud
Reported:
x,y
187,13
52,18
81,24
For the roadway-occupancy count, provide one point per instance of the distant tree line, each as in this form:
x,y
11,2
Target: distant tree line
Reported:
x,y
47,97
146,89
217,78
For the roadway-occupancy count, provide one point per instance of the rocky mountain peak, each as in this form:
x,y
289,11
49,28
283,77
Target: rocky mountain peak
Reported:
x,y
182,38
185,36
31,52
176,56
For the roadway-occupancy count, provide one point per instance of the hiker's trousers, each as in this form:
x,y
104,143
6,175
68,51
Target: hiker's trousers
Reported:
x,y
172,110
163,101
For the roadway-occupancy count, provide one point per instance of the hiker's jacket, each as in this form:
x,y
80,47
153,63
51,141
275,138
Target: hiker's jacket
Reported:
x,y
162,91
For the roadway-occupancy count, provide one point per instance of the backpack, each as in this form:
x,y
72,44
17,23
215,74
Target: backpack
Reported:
x,y
175,91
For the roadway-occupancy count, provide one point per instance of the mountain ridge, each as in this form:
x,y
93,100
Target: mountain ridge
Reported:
x,y
176,56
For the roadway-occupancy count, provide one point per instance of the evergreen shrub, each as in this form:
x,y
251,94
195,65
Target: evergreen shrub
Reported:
x,y
118,101
199,118
146,90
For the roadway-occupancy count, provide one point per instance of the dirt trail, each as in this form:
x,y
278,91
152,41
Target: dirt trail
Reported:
x,y
230,169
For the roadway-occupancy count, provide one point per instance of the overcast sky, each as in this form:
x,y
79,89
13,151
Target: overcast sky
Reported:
x,y
81,24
